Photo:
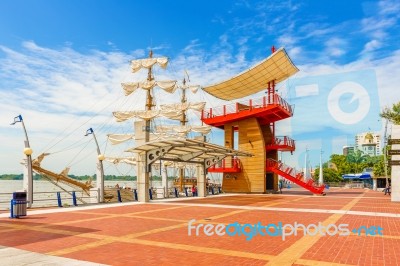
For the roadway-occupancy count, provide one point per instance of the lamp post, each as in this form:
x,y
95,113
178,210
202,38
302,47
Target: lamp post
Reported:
x,y
306,165
28,152
384,155
100,175
321,172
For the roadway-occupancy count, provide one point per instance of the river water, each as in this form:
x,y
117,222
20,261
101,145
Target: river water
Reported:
x,y
45,193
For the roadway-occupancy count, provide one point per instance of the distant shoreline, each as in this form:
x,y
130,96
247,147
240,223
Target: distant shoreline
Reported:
x,y
82,178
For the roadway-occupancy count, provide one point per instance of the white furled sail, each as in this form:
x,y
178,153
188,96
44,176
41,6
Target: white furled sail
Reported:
x,y
201,129
143,114
148,63
120,138
197,106
167,85
117,160
193,88
171,114
184,129
122,116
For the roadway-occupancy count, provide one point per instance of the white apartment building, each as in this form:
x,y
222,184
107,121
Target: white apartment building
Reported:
x,y
369,143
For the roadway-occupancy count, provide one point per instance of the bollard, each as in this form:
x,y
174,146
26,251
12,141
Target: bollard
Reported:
x,y
135,194
176,192
186,193
119,195
12,209
59,199
150,193
74,198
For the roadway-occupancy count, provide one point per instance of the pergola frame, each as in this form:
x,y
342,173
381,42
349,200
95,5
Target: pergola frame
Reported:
x,y
182,150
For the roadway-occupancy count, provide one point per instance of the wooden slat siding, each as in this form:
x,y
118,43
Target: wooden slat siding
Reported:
x,y
228,142
267,134
240,184
251,140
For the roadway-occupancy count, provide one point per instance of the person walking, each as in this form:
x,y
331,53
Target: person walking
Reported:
x,y
194,191
387,189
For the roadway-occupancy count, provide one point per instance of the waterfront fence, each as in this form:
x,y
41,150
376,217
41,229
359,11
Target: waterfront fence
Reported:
x,y
66,198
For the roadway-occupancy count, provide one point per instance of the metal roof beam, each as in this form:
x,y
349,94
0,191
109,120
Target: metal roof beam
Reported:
x,y
192,155
212,161
155,154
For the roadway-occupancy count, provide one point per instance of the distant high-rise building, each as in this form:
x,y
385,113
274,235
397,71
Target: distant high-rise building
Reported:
x,y
348,149
369,143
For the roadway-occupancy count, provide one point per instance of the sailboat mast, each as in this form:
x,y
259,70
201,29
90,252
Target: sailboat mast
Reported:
x,y
183,123
149,101
183,100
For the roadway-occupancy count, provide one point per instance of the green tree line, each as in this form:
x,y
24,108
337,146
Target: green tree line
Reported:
x,y
353,163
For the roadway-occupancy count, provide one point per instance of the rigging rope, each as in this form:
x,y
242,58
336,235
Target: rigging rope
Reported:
x,y
70,163
72,146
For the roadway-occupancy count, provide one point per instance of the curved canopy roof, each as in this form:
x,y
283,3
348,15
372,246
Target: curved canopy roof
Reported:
x,y
276,67
185,150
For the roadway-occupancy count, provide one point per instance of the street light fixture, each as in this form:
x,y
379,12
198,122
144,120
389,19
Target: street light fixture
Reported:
x,y
100,157
28,152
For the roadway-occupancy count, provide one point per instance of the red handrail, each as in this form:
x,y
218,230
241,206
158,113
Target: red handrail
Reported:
x,y
252,104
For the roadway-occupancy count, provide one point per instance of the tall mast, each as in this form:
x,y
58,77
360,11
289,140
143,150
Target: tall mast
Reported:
x,y
149,101
183,123
183,100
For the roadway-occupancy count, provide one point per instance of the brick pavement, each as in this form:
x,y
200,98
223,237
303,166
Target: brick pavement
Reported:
x,y
157,233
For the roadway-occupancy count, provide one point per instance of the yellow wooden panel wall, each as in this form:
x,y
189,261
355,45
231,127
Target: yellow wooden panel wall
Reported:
x,y
268,135
252,178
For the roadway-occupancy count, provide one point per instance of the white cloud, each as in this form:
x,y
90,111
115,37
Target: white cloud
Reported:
x,y
336,46
389,7
371,46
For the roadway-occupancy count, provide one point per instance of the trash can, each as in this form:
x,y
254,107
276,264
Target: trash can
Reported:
x,y
18,204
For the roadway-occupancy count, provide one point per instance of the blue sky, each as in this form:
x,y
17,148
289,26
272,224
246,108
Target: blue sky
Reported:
x,y
61,63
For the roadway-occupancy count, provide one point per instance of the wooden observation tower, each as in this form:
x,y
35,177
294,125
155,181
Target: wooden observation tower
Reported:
x,y
251,126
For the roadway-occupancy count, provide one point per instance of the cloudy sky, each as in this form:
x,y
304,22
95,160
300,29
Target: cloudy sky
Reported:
x,y
62,62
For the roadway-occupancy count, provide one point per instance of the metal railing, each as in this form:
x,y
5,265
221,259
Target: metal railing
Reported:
x,y
226,163
282,141
51,199
72,198
251,104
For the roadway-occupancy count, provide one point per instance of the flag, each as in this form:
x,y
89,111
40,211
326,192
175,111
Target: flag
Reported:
x,y
89,131
17,119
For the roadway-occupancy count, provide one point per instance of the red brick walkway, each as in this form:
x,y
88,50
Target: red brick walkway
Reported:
x,y
157,233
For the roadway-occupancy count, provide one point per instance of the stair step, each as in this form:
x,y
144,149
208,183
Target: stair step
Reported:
x,y
292,175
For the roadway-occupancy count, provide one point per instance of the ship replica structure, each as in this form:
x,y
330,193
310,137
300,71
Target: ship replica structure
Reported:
x,y
252,168
167,145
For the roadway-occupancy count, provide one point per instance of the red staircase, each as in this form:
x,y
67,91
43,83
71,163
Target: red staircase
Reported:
x,y
223,167
292,175
282,144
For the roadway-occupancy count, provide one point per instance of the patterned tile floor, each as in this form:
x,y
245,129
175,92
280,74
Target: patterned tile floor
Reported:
x,y
157,233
